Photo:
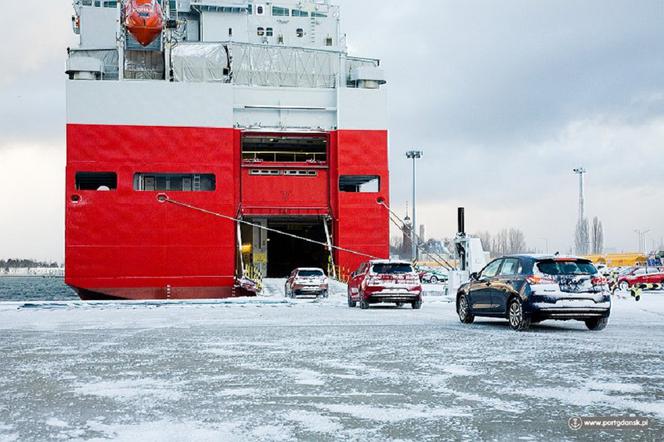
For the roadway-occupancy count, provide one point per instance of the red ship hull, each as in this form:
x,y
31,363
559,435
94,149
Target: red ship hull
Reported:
x,y
124,244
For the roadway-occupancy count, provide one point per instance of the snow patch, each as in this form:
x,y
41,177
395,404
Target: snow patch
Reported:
x,y
130,389
273,433
394,414
55,422
458,370
314,422
615,386
586,398
163,431
244,392
305,377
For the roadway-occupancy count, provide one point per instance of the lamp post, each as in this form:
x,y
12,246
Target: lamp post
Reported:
x,y
414,155
642,239
582,234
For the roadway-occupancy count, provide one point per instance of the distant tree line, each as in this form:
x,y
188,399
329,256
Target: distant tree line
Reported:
x,y
26,263
587,239
506,242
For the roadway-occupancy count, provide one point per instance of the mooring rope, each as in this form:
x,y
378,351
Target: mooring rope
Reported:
x,y
401,226
163,198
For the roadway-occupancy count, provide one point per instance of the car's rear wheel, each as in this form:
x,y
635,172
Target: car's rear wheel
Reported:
x,y
516,316
417,304
624,286
597,324
434,280
351,303
463,309
399,304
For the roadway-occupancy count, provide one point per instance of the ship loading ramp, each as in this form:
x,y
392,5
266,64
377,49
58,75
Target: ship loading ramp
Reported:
x,y
287,243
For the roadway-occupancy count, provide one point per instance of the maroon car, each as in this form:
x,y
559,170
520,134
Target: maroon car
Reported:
x,y
640,275
383,281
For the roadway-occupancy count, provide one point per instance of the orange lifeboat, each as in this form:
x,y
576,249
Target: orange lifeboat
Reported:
x,y
144,19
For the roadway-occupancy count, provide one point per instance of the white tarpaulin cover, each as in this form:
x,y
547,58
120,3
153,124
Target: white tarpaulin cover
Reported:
x,y
200,62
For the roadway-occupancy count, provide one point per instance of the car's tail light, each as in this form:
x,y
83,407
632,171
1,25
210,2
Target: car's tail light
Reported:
x,y
537,280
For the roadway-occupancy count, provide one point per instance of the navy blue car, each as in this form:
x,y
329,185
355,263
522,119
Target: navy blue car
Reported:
x,y
526,289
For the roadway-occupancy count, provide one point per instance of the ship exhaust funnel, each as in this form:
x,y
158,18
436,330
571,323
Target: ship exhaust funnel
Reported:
x,y
461,221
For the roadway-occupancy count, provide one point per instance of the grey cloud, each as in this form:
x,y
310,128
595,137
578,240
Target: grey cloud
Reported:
x,y
504,97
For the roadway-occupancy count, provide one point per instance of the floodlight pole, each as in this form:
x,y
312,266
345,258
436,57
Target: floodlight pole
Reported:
x,y
582,200
414,155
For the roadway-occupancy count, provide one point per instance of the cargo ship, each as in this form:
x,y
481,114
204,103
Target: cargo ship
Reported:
x,y
250,115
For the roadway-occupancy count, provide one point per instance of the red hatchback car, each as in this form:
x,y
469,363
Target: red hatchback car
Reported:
x,y
640,275
383,281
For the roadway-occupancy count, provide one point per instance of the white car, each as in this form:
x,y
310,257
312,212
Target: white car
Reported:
x,y
307,282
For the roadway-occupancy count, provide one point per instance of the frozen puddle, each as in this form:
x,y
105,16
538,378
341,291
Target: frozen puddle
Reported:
x,y
273,369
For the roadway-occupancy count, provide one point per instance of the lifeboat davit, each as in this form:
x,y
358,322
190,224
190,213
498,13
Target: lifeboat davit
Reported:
x,y
144,19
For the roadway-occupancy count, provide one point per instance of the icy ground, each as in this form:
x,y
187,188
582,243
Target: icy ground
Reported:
x,y
271,369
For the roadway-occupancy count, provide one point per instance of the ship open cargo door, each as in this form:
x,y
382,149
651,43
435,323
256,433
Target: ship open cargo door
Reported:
x,y
285,253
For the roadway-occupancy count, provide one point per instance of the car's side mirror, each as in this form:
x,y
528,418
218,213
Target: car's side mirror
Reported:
x,y
474,276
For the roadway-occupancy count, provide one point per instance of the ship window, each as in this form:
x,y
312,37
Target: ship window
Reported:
x,y
260,10
264,172
101,181
280,39
177,182
300,32
278,11
230,32
269,32
260,32
359,183
284,149
328,41
307,173
318,14
299,13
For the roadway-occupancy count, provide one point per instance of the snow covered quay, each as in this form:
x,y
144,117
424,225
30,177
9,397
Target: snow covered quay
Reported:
x,y
271,369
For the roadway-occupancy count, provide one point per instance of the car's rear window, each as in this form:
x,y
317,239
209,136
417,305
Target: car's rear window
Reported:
x,y
310,273
392,269
572,267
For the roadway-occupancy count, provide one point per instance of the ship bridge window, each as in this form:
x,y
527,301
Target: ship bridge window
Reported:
x,y
318,14
359,183
177,182
278,11
299,13
101,181
284,149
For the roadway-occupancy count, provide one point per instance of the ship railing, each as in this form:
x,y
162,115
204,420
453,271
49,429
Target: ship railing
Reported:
x,y
254,64
280,156
343,274
244,64
254,274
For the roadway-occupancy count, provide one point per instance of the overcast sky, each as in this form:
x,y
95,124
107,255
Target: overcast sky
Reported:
x,y
505,99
